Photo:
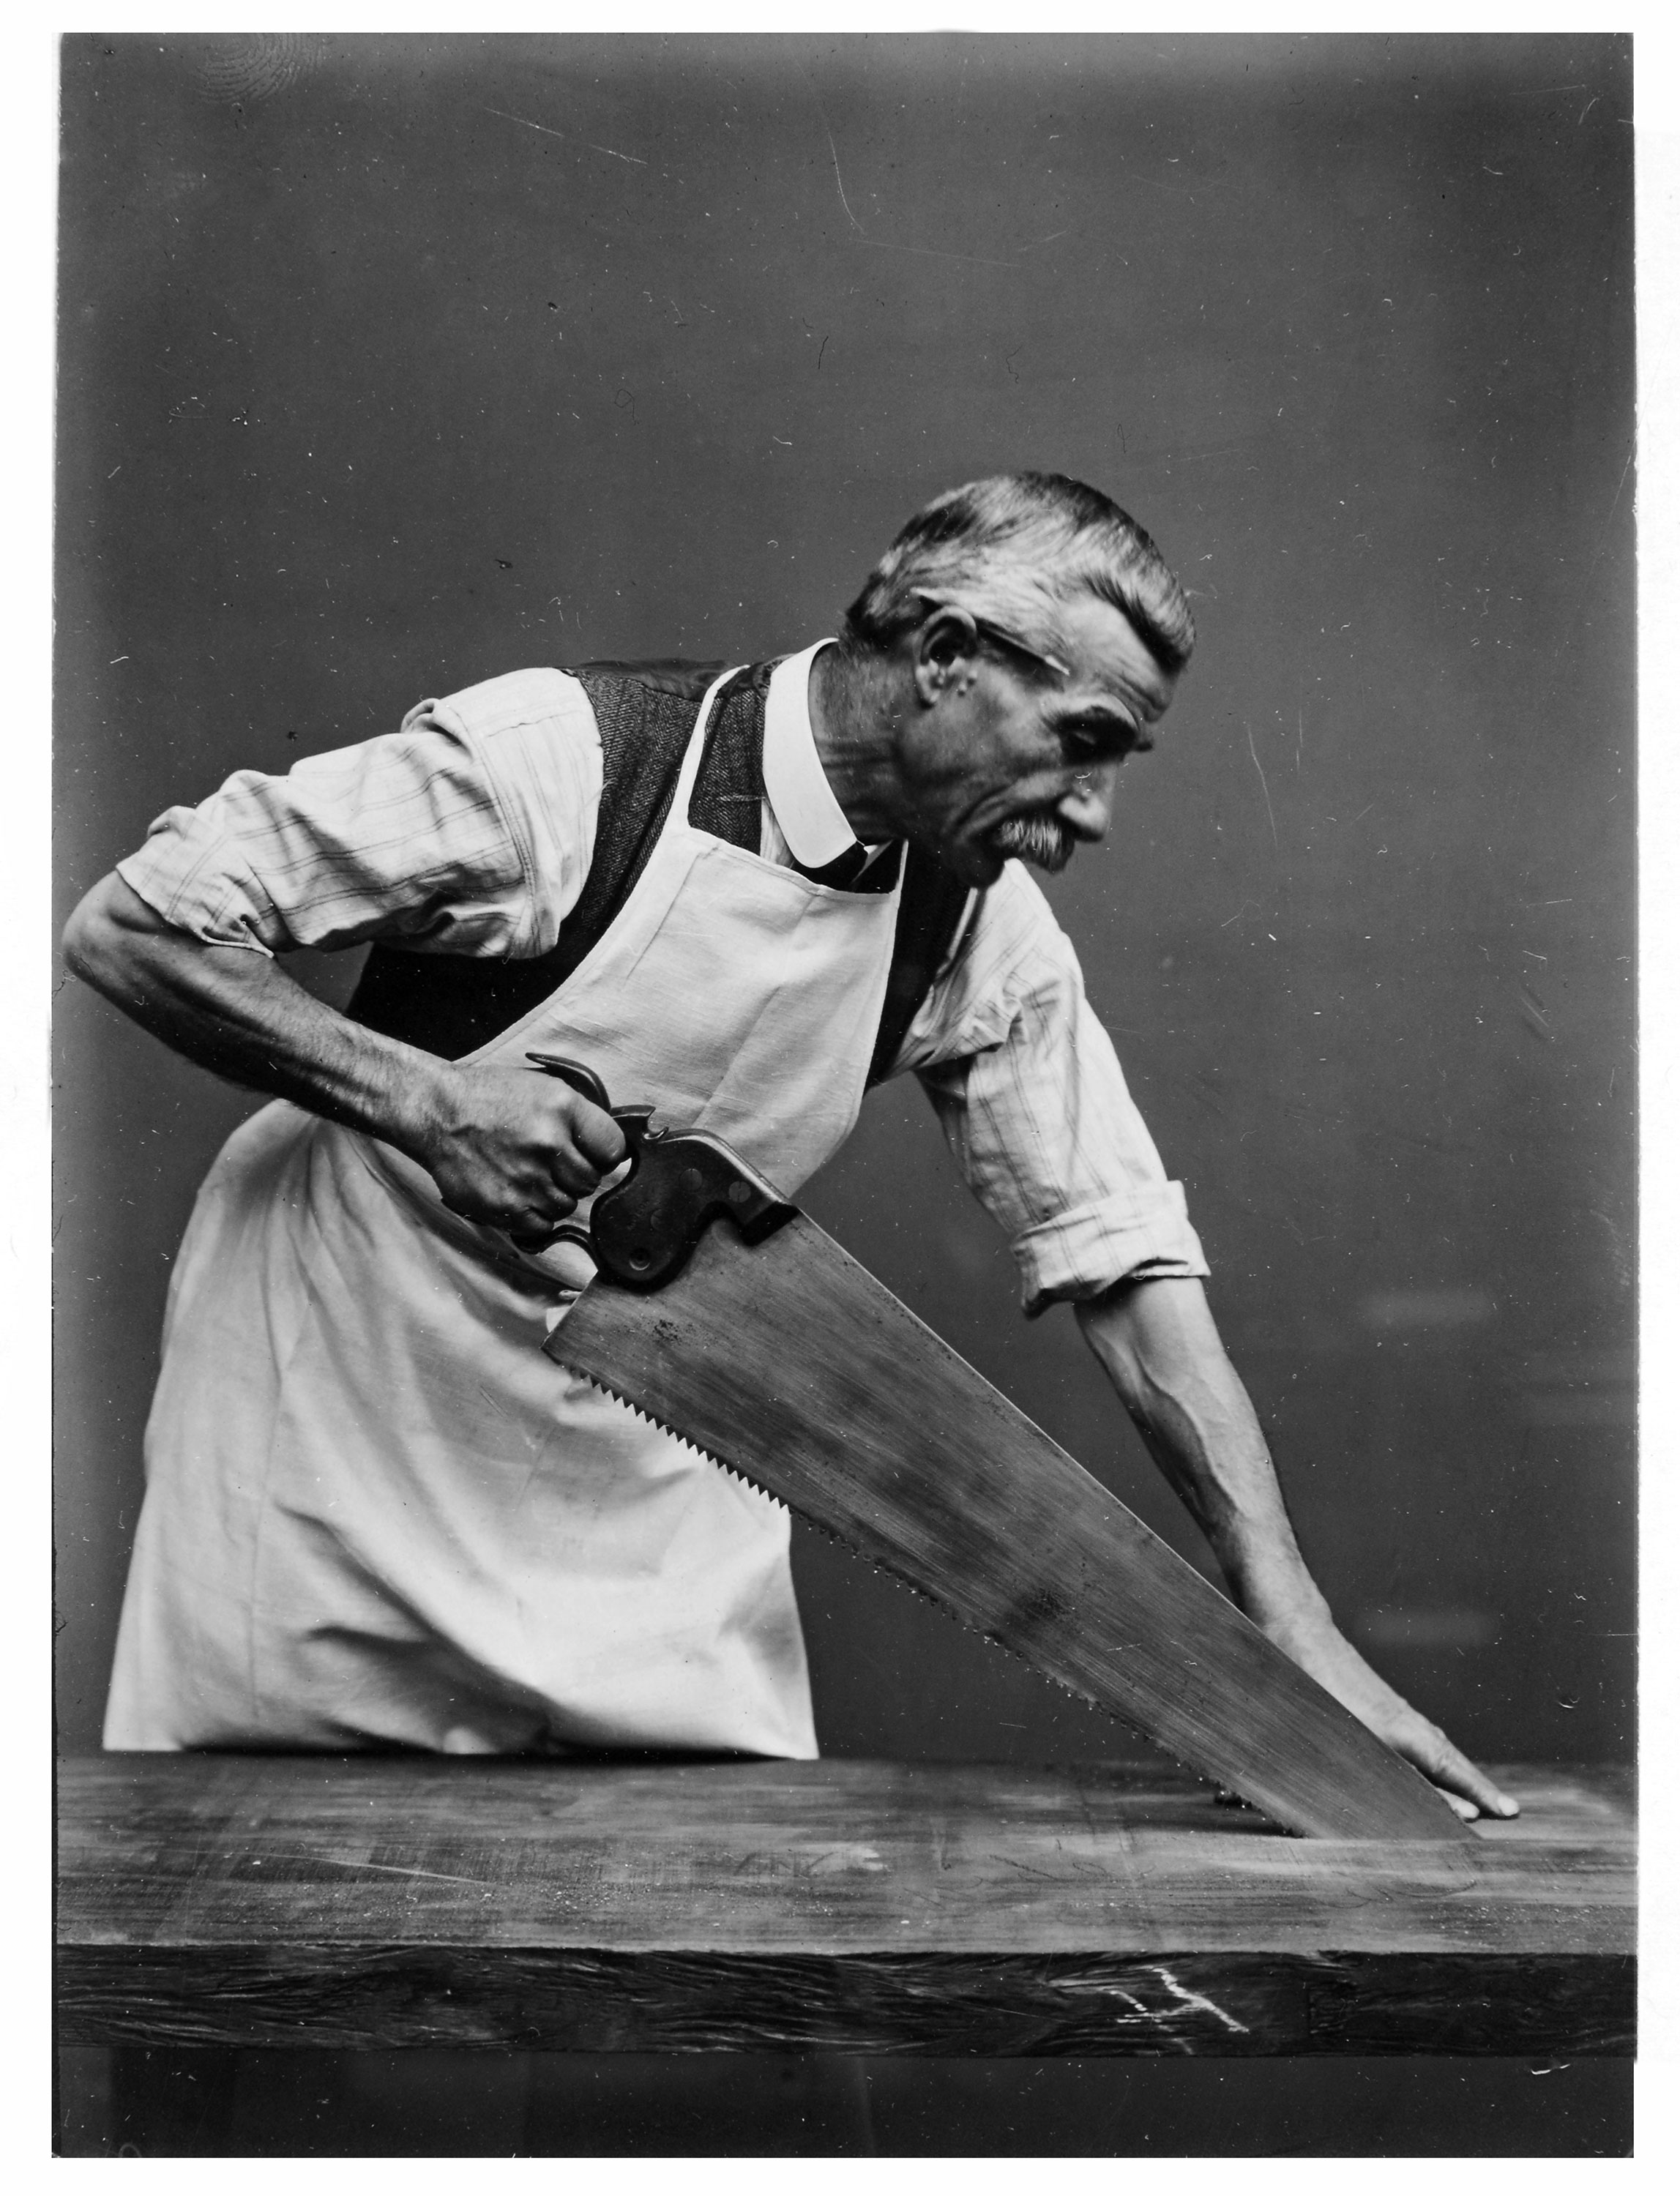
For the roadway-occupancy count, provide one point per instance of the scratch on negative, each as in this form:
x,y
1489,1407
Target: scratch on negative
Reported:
x,y
1197,2002
524,123
927,251
1264,787
835,157
520,119
1592,566
389,1867
1615,501
881,243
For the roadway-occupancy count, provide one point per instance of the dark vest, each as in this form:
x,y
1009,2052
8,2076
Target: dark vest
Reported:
x,y
451,1004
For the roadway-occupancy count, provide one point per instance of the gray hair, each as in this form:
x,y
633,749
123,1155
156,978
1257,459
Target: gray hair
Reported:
x,y
1011,550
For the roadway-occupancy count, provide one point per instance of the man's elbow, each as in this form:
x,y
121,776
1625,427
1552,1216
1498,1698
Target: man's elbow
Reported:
x,y
97,943
1110,1326
1147,1329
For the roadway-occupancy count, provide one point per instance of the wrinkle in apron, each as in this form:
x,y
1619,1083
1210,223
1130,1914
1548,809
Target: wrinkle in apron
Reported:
x,y
375,1510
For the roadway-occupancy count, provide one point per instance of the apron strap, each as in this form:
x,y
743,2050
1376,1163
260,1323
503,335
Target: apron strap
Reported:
x,y
450,1003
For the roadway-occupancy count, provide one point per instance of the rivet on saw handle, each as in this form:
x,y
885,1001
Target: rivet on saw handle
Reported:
x,y
642,1229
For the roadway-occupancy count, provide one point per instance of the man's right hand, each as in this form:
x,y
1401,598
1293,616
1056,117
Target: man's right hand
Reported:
x,y
513,1147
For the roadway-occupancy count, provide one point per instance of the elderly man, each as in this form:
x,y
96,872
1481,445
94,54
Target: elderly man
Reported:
x,y
376,1512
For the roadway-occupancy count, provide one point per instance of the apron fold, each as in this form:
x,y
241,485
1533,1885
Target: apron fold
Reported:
x,y
376,1513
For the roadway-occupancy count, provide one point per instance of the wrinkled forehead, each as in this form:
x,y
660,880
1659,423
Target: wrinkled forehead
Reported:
x,y
1110,666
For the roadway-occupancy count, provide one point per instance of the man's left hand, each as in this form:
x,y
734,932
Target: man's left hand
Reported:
x,y
1157,1344
1324,1654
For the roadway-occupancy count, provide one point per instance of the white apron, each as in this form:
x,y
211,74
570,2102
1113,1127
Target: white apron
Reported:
x,y
375,1511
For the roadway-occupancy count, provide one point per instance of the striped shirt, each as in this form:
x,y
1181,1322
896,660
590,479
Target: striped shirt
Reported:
x,y
470,831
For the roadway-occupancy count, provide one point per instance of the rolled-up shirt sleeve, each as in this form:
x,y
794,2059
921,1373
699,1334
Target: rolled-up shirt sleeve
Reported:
x,y
1034,1107
469,830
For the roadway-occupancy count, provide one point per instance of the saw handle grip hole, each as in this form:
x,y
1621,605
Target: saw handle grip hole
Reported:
x,y
584,1080
646,1218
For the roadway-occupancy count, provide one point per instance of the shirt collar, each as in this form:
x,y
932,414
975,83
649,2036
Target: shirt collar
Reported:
x,y
807,812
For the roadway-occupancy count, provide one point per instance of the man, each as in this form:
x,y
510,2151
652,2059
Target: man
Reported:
x,y
376,1512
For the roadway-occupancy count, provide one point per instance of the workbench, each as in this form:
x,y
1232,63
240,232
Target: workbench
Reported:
x,y
371,1901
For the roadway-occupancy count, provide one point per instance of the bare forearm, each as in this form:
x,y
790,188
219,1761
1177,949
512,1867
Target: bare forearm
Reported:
x,y
506,1147
1157,1344
240,1014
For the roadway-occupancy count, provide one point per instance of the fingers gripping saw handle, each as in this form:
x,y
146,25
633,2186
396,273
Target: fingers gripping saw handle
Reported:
x,y
642,1229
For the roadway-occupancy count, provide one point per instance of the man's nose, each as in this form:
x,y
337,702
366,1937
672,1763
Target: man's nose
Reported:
x,y
1089,802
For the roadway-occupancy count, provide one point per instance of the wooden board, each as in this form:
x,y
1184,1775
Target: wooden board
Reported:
x,y
789,1362
859,1906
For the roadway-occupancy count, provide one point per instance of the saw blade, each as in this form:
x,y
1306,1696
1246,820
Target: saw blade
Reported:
x,y
793,1367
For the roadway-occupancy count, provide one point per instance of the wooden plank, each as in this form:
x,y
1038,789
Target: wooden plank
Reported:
x,y
783,1855
789,1362
939,2005
369,1901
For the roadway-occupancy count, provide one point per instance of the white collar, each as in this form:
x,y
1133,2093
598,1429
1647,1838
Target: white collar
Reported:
x,y
807,812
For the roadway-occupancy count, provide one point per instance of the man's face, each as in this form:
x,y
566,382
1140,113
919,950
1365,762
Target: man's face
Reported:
x,y
1006,758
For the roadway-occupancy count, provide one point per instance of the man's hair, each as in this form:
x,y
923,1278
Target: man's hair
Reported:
x,y
1012,550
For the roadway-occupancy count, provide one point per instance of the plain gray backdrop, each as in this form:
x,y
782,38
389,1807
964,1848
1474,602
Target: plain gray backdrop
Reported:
x,y
388,364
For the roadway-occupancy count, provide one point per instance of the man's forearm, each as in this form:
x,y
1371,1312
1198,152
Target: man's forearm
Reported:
x,y
240,1014
1157,1343
507,1147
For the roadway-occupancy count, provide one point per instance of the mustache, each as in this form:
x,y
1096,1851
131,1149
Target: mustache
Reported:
x,y
1042,839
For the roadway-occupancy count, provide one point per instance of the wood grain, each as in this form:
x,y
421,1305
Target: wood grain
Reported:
x,y
791,1363
379,1901
938,2005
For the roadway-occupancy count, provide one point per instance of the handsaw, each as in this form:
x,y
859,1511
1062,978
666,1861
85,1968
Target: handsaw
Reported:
x,y
726,1314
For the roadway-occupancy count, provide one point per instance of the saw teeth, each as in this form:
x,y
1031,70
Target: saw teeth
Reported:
x,y
881,1570
694,1448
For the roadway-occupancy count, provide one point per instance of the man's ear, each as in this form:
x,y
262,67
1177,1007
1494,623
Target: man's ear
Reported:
x,y
944,655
